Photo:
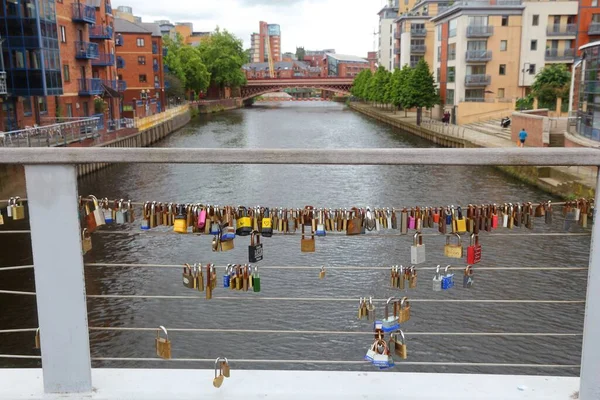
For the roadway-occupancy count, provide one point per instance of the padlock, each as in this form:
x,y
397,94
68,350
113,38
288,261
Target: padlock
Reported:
x,y
548,212
1,217
448,214
219,377
245,278
474,250
244,223
403,310
382,357
437,280
417,250
322,272
404,221
10,206
394,220
227,277
371,352
199,277
130,212
266,228
98,214
38,342
321,231
255,250
256,280
412,277
447,279
390,322
354,224
453,250
146,216
399,345
86,241
250,278
226,245
188,278
107,211
460,222
121,212
371,310
209,282
361,308
494,216
400,281
291,222
228,233
225,367
180,223
394,276
307,245
468,278
202,218
442,227
163,345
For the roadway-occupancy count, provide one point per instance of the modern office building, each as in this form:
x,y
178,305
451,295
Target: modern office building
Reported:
x,y
385,56
343,66
268,34
586,102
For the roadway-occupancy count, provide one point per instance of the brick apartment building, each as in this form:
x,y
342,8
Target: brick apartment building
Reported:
x,y
140,65
344,66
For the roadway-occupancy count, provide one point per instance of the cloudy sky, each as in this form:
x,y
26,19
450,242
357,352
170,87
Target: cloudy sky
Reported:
x,y
345,25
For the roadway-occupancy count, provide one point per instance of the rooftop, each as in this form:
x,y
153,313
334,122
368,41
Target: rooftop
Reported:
x,y
124,26
348,58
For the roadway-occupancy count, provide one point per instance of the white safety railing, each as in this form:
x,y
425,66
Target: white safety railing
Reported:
x,y
51,180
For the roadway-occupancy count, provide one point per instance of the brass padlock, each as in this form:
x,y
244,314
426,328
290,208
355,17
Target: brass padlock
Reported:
x,y
404,311
37,339
188,278
399,346
453,250
180,223
221,371
163,345
307,245
18,210
86,241
412,280
370,310
322,273
199,277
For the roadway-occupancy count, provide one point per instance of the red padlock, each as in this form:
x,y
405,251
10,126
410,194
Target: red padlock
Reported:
x,y
495,217
474,250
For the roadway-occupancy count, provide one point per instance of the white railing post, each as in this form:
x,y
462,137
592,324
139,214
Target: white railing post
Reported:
x,y
59,278
590,361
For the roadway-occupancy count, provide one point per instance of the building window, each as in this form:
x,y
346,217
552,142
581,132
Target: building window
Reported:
x,y
533,45
535,21
452,52
66,73
439,32
143,78
501,93
86,110
140,42
502,69
69,110
63,34
27,106
452,31
531,69
120,77
438,75
449,96
505,20
142,60
42,105
451,74
439,53
503,45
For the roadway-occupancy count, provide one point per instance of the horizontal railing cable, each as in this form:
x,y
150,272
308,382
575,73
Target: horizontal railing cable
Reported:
x,y
332,362
17,267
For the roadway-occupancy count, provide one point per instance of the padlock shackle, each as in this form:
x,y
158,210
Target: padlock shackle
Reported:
x,y
164,330
448,267
469,270
404,302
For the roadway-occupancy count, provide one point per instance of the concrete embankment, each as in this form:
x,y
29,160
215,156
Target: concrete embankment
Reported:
x,y
559,181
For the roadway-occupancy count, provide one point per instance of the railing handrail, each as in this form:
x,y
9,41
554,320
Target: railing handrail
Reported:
x,y
412,156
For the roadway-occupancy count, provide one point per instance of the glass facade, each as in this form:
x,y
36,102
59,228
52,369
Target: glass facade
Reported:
x,y
31,50
588,121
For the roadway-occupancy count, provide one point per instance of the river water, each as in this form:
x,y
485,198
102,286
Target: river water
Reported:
x,y
313,125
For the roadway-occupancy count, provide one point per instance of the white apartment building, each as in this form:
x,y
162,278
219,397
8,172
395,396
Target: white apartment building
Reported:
x,y
385,54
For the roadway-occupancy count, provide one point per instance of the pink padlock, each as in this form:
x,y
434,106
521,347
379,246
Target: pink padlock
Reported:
x,y
202,219
411,222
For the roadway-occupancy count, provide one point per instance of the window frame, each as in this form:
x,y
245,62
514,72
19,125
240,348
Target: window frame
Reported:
x,y
141,60
535,20
140,42
63,33
502,67
145,78
505,43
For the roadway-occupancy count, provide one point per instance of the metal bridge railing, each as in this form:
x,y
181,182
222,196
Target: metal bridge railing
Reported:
x,y
60,134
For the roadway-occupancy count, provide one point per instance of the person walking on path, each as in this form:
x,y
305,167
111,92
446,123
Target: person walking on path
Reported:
x,y
522,137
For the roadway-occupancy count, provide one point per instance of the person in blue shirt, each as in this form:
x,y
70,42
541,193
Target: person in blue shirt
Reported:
x,y
522,137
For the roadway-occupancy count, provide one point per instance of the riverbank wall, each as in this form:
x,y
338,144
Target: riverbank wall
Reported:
x,y
215,106
553,180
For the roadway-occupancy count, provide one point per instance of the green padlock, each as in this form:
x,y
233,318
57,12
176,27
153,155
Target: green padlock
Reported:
x,y
256,281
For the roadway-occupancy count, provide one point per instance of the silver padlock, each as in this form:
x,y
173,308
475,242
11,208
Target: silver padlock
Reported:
x,y
371,310
437,280
391,323
417,250
121,213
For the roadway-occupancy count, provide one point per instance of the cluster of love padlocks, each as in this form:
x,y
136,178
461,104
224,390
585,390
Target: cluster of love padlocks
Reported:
x,y
15,210
237,277
406,277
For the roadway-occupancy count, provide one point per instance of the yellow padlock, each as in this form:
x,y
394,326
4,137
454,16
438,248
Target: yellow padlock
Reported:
x,y
180,224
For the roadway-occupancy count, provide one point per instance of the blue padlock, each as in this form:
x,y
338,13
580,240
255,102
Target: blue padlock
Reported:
x,y
228,233
320,231
448,217
447,279
391,323
227,276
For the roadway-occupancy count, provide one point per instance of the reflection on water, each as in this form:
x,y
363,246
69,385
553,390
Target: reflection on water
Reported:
x,y
314,125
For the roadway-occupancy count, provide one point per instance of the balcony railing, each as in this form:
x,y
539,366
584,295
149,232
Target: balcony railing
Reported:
x,y
108,8
154,48
119,40
83,13
156,85
420,32
477,100
90,87
594,28
397,35
121,85
478,55
414,63
479,30
396,50
560,55
120,62
417,48
86,50
562,30
104,60
101,32
3,82
477,80
452,56
155,67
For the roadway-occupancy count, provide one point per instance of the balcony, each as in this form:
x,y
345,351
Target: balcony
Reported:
x,y
86,50
3,82
478,55
474,31
156,85
120,62
119,40
477,100
90,87
594,28
108,8
414,63
83,13
477,80
396,50
419,32
562,30
101,32
155,67
121,86
397,64
104,60
418,48
154,48
398,35
560,55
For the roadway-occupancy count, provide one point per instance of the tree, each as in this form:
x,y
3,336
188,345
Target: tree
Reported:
x,y
174,87
377,87
223,55
300,53
403,89
361,83
421,89
197,76
173,58
552,82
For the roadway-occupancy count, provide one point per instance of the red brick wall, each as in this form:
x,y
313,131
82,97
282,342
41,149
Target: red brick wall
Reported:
x,y
584,19
534,126
351,69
